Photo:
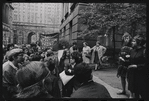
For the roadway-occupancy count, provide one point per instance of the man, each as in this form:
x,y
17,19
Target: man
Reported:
x,y
15,57
9,47
88,88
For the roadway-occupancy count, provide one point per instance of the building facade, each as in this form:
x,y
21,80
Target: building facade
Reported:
x,y
71,27
32,19
7,23
70,22
41,13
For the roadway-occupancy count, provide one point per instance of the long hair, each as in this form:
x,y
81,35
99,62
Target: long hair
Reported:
x,y
140,40
123,39
31,79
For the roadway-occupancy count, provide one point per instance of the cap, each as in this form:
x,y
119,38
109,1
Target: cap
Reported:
x,y
15,51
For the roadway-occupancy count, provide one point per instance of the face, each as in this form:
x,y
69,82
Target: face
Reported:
x,y
97,44
25,51
72,61
126,39
134,43
20,58
84,44
11,48
64,47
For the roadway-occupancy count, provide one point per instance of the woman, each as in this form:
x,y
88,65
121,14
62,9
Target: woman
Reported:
x,y
34,81
97,52
85,52
137,70
124,57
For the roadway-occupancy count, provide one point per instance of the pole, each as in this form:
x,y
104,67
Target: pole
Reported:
x,y
114,41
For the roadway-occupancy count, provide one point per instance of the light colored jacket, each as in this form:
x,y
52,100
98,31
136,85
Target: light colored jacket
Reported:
x,y
101,50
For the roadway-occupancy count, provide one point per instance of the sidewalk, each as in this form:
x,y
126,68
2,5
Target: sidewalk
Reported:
x,y
107,77
112,91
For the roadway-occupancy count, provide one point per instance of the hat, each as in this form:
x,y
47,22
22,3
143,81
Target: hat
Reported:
x,y
15,51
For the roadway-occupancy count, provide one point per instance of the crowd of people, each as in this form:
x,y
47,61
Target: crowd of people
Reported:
x,y
30,72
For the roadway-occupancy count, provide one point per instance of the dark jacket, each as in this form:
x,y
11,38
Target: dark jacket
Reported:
x,y
69,72
9,81
55,86
61,63
137,77
91,90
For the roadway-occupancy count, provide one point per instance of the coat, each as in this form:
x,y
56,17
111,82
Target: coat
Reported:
x,y
137,77
101,51
91,90
86,50
9,80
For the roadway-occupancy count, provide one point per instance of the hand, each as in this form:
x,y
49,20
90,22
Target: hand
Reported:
x,y
134,66
121,58
69,70
117,76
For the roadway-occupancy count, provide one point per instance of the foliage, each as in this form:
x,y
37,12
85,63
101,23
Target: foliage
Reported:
x,y
57,46
100,18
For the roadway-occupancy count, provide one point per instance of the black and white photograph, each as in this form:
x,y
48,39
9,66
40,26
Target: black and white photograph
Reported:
x,y
62,50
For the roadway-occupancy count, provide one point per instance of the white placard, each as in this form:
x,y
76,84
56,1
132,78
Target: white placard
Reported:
x,y
60,53
65,78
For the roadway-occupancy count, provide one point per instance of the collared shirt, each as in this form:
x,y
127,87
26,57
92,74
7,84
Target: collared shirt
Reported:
x,y
73,65
6,63
11,64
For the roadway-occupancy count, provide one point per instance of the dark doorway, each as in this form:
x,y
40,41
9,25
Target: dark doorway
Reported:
x,y
29,37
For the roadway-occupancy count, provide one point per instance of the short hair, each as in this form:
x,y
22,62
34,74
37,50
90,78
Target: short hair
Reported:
x,y
98,42
36,57
77,57
85,43
50,53
139,39
83,72
74,43
75,48
10,45
50,64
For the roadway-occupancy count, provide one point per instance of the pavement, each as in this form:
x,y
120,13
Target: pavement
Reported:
x,y
107,77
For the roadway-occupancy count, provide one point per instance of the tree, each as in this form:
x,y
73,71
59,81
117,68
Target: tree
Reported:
x,y
104,18
101,17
